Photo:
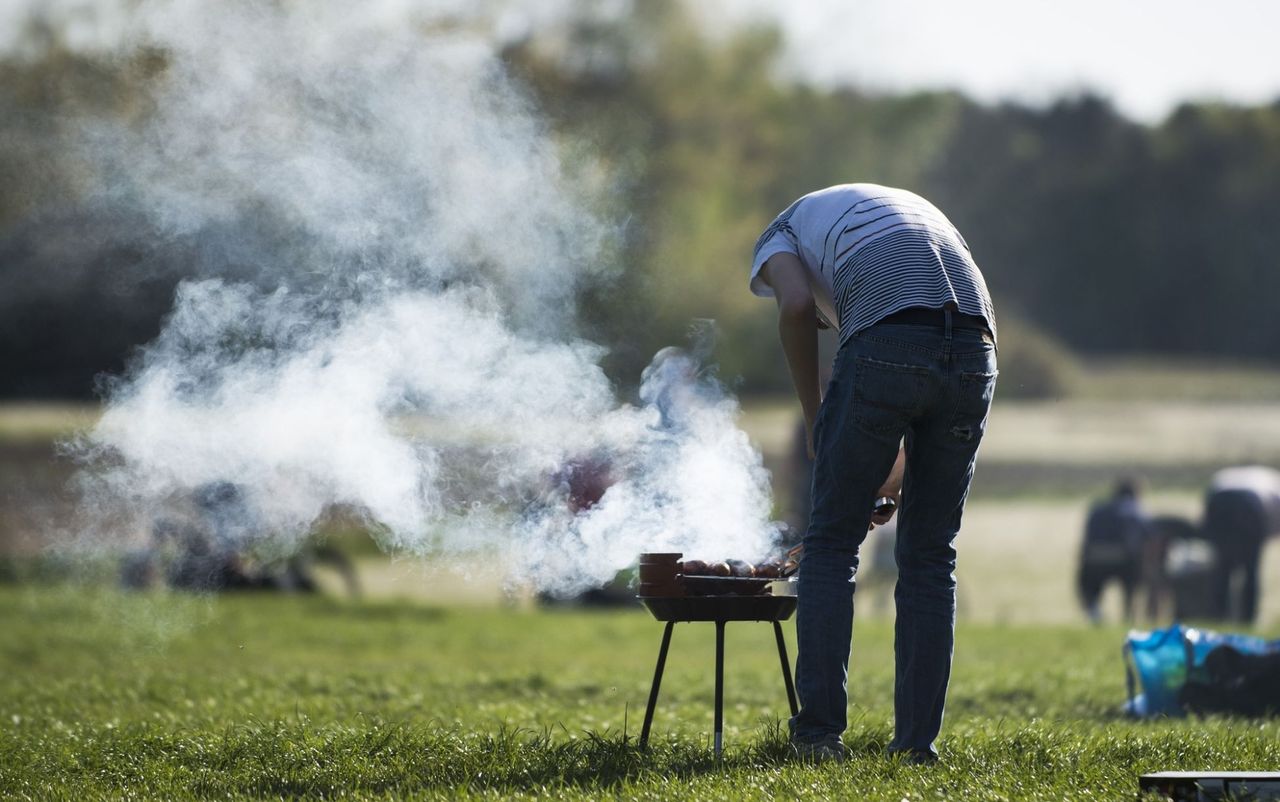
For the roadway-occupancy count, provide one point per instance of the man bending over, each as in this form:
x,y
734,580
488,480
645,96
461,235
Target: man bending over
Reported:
x,y
903,416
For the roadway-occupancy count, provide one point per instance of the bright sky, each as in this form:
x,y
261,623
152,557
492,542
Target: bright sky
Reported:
x,y
1145,55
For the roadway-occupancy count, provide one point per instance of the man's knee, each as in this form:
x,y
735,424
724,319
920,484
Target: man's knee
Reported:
x,y
925,559
835,540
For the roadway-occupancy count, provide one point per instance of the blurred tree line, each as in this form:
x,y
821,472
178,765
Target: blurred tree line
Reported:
x,y
1097,235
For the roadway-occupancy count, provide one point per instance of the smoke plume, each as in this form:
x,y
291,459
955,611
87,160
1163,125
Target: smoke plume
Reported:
x,y
387,247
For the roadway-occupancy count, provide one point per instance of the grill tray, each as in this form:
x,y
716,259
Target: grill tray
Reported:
x,y
724,585
762,607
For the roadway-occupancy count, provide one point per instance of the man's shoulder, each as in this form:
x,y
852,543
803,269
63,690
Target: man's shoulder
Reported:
x,y
861,189
839,199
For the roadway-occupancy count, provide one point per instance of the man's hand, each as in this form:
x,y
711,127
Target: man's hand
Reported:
x,y
892,488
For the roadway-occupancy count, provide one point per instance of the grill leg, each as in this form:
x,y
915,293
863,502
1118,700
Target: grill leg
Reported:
x,y
719,739
786,669
657,682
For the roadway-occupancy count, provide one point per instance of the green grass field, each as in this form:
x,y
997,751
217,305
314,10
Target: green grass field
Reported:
x,y
442,685
108,696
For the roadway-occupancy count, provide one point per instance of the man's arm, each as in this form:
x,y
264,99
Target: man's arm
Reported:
x,y
798,330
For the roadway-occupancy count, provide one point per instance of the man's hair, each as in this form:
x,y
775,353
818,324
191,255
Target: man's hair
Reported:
x,y
1128,487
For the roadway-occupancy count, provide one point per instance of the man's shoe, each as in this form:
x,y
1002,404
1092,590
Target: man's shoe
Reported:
x,y
914,757
826,750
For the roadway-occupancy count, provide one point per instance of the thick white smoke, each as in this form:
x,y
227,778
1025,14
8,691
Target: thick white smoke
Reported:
x,y
391,247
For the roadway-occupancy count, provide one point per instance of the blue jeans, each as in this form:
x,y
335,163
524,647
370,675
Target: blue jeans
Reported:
x,y
933,386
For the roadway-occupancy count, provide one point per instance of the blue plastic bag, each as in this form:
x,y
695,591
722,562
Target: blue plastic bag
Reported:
x,y
1159,661
1162,660
1202,641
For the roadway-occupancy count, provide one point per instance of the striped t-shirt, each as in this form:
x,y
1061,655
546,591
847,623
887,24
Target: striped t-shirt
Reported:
x,y
871,251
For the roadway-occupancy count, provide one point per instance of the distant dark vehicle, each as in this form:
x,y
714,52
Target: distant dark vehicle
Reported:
x,y
213,550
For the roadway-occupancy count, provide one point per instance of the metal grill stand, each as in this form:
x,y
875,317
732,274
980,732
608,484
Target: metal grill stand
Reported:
x,y
720,611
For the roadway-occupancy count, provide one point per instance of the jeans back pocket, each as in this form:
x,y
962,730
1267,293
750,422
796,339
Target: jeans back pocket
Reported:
x,y
973,402
887,395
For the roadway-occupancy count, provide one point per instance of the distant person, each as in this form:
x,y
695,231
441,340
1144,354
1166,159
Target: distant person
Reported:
x,y
1242,509
917,361
1112,549
585,479
211,552
211,548
878,574
582,482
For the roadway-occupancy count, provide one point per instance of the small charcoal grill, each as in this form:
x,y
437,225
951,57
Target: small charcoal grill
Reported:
x,y
672,598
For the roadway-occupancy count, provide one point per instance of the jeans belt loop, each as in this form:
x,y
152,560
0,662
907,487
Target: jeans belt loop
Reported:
x,y
946,346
